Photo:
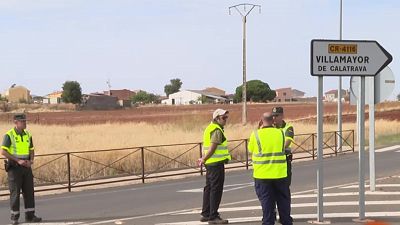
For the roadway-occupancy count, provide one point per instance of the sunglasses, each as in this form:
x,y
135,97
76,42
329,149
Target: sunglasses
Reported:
x,y
224,117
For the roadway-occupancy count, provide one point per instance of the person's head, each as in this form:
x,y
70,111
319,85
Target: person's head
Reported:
x,y
277,113
267,119
220,116
20,121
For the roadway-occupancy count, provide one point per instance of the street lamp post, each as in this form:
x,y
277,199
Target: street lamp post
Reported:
x,y
247,8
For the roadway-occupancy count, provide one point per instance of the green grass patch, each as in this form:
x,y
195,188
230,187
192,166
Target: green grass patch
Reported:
x,y
387,140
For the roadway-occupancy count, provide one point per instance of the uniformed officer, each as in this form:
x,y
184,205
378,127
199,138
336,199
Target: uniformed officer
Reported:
x,y
18,148
215,155
288,130
270,171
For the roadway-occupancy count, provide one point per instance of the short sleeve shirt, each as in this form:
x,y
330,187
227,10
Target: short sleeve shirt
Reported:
x,y
217,137
289,132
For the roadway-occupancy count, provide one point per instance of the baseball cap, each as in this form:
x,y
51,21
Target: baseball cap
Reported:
x,y
20,117
277,110
219,112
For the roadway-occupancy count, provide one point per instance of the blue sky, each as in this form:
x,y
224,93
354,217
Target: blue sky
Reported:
x,y
143,44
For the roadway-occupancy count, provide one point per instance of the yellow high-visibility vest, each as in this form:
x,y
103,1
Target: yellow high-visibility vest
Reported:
x,y
287,126
268,156
221,153
20,146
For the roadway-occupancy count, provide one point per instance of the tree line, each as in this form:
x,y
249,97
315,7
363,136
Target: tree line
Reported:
x,y
257,91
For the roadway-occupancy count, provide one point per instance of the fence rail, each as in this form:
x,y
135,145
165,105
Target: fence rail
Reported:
x,y
88,168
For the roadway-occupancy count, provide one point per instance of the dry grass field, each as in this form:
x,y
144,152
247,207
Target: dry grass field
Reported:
x,y
187,127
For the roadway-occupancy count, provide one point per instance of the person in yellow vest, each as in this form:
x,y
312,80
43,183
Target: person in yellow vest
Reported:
x,y
215,155
288,130
18,148
266,146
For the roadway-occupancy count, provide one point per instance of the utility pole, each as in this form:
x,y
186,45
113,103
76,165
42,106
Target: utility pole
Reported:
x,y
339,94
244,10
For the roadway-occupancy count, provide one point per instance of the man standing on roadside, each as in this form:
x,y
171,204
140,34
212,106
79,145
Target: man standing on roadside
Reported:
x,y
266,146
287,128
18,148
215,156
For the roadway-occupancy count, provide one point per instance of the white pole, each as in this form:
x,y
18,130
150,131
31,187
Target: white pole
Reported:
x,y
361,162
320,153
372,134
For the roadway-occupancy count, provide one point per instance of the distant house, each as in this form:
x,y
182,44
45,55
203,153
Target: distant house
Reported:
x,y
288,94
18,94
187,97
124,96
98,101
37,99
53,98
332,95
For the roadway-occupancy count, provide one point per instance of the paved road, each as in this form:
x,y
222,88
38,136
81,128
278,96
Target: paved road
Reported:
x,y
177,202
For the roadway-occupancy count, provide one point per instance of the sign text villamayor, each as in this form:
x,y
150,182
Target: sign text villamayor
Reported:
x,y
347,58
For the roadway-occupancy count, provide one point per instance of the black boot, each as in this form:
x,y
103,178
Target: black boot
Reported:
x,y
31,217
14,219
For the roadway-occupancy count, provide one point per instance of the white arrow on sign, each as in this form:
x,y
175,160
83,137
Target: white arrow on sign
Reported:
x,y
348,58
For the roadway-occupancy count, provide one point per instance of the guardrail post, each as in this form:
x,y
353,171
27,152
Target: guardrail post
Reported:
x,y
69,171
336,146
142,151
353,139
247,154
313,146
201,155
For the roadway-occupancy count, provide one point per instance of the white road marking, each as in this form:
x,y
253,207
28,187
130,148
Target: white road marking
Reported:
x,y
226,188
378,185
297,205
225,204
391,148
348,194
57,223
295,216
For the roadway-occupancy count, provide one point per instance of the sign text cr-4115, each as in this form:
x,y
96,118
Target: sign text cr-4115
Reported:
x,y
347,58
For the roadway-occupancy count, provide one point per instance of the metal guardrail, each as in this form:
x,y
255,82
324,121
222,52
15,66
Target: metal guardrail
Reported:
x,y
88,168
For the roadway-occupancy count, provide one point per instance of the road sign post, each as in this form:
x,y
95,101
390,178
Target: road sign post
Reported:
x,y
371,146
320,153
345,58
377,89
361,150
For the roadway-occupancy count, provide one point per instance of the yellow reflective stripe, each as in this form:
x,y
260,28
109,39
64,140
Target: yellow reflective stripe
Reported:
x,y
289,138
14,212
13,144
258,141
5,148
21,156
269,161
219,155
218,148
269,154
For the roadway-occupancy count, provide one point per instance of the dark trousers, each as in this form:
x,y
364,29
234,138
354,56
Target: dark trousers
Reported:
x,y
212,194
21,178
289,159
271,192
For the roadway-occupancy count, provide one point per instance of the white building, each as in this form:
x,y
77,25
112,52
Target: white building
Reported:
x,y
332,95
188,97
